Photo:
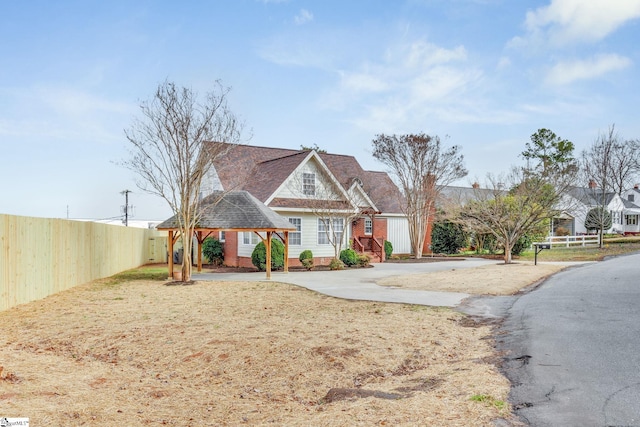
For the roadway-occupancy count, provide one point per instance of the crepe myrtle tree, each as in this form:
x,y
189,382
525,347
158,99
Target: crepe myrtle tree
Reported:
x,y
600,171
422,167
170,150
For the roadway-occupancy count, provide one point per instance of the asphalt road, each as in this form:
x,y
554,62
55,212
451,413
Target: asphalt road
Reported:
x,y
573,347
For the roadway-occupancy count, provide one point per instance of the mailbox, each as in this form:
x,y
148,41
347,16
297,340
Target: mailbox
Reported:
x,y
538,248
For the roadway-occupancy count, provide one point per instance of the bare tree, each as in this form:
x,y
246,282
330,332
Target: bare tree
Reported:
x,y
523,202
170,151
625,164
422,168
606,172
522,208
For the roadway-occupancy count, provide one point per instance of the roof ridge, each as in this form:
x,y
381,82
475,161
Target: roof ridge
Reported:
x,y
283,157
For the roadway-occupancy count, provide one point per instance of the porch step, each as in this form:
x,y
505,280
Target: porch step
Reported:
x,y
374,258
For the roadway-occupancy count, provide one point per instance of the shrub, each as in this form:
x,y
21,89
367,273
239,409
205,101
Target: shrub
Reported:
x,y
484,242
349,257
598,218
388,249
561,231
307,263
521,245
306,254
336,264
363,260
306,259
259,255
213,250
448,238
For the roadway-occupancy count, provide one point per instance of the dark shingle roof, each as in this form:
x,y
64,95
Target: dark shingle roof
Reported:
x,y
261,170
235,210
591,196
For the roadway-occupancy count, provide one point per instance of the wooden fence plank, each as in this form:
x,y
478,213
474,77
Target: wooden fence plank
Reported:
x,y
42,256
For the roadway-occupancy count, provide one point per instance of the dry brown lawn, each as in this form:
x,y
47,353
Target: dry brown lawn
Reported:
x,y
242,353
498,279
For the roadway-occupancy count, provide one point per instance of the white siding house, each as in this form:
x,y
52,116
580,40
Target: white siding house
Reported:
x,y
305,186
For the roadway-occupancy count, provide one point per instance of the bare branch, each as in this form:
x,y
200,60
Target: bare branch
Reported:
x,y
171,151
422,168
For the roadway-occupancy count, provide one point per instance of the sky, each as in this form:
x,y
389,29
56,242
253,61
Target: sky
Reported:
x,y
481,74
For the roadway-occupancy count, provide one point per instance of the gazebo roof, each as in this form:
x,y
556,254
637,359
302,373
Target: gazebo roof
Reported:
x,y
234,210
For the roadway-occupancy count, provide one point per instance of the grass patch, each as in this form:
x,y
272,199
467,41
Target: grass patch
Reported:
x,y
489,400
146,272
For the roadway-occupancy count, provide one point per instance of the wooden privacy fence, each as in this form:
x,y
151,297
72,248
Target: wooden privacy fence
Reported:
x,y
41,256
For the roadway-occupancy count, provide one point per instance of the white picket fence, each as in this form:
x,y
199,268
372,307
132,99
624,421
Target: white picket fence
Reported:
x,y
567,241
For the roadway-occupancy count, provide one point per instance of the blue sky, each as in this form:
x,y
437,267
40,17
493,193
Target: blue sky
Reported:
x,y
485,73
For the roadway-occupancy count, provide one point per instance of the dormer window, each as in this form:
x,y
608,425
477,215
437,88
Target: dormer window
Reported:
x,y
309,184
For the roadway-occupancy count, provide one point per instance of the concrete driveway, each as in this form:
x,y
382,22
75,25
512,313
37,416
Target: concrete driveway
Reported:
x,y
360,284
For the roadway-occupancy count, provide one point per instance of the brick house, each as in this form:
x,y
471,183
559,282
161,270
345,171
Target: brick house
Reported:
x,y
315,192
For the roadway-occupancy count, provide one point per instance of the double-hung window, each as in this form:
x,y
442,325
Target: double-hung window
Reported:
x,y
329,229
368,226
295,237
250,238
309,184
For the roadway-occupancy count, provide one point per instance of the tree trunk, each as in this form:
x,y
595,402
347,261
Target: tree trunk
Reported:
x,y
186,259
507,252
601,239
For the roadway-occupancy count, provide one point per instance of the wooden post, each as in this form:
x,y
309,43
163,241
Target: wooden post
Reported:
x,y
268,250
199,239
171,253
286,251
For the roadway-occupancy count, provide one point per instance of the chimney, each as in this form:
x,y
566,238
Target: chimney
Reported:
x,y
476,185
636,186
592,184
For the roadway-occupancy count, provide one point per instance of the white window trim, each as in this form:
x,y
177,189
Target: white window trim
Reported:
x,y
252,237
328,234
370,226
309,188
298,232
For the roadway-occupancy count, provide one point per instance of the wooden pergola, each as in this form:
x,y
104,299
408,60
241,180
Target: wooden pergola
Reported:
x,y
235,211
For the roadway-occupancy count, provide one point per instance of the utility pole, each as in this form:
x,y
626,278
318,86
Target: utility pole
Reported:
x,y
126,206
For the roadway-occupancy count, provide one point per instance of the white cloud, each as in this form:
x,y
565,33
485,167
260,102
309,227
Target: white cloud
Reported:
x,y
363,82
569,71
410,85
570,21
303,17
49,112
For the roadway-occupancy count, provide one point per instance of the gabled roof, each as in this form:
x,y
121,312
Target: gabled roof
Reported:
x,y
270,174
463,195
629,205
262,170
591,196
235,210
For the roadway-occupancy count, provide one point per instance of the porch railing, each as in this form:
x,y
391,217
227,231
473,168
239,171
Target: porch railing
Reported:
x,y
368,244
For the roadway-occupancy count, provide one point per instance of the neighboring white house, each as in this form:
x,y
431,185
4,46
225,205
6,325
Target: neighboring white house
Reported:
x,y
631,199
302,185
580,200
